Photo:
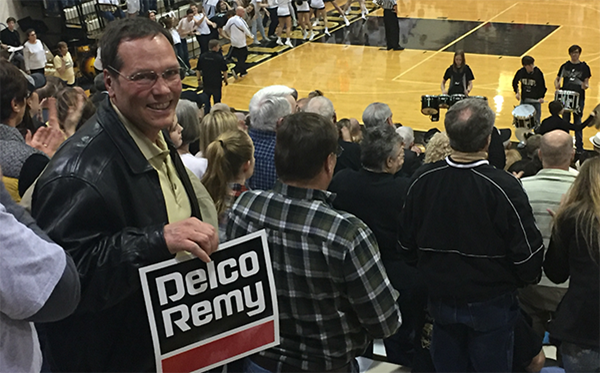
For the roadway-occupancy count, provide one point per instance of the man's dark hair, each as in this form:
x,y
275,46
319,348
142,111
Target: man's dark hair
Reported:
x,y
555,107
527,60
9,19
378,144
125,30
189,11
574,48
468,124
304,141
29,31
14,86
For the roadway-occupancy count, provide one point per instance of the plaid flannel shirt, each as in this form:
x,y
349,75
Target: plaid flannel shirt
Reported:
x,y
265,175
333,292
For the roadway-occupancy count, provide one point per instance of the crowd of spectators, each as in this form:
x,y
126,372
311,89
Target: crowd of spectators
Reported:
x,y
372,232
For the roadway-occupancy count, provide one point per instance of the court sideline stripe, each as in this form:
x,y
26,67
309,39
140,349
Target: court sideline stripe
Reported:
x,y
455,41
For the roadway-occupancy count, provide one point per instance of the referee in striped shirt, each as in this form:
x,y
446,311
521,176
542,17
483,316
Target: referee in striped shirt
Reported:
x,y
390,21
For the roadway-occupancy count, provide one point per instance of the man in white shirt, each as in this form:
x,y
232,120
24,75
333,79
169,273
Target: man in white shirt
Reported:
x,y
237,30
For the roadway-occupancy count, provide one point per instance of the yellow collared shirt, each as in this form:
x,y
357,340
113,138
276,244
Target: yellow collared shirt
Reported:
x,y
176,199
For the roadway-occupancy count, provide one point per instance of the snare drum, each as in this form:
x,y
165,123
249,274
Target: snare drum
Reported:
x,y
456,97
444,101
569,99
524,116
429,105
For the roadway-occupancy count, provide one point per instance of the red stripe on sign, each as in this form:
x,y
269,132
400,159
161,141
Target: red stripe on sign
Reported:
x,y
221,349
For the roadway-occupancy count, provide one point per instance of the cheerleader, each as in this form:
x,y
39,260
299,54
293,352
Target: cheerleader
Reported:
x,y
319,7
304,19
339,10
285,20
363,8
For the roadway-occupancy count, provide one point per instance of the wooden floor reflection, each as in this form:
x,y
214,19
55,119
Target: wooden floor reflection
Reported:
x,y
353,76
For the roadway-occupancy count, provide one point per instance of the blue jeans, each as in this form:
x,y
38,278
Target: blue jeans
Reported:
x,y
148,5
111,16
577,122
258,23
580,359
474,336
182,52
251,367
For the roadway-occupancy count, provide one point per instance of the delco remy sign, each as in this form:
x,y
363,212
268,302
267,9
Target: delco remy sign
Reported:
x,y
203,315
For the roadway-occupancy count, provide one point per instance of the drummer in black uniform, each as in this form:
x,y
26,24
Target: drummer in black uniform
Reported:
x,y
460,75
576,76
533,85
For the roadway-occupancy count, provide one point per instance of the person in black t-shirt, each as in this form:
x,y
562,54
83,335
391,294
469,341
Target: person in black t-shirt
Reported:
x,y
460,75
212,71
576,76
533,85
10,37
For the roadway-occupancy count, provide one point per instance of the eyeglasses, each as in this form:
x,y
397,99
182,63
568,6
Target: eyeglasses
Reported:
x,y
339,151
146,79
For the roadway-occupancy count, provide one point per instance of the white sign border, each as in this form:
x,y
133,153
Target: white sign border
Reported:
x,y
182,258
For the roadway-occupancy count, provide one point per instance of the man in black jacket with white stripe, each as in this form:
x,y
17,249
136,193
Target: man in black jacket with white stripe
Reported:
x,y
472,231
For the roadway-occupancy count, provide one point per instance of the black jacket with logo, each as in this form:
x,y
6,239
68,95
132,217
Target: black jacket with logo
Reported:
x,y
472,230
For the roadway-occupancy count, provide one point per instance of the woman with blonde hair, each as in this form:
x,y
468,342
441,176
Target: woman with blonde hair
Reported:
x,y
213,125
438,148
230,161
574,252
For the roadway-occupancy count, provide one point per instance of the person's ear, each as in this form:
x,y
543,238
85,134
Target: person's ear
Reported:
x,y
329,164
279,121
246,166
109,82
389,162
17,106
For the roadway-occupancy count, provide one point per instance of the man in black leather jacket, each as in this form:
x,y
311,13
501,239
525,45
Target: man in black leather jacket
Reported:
x,y
117,197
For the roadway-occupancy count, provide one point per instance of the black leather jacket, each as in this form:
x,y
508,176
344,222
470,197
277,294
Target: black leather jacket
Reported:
x,y
101,200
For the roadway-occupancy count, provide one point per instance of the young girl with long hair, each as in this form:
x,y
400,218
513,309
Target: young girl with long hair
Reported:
x,y
230,161
460,75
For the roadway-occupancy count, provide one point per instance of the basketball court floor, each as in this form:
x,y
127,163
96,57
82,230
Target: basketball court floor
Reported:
x,y
350,68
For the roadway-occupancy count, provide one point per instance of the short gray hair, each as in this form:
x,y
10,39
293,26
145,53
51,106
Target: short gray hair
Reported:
x,y
378,144
266,107
268,111
376,114
187,116
321,105
469,123
407,134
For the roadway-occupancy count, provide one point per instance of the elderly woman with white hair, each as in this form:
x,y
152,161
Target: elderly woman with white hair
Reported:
x,y
376,197
412,154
